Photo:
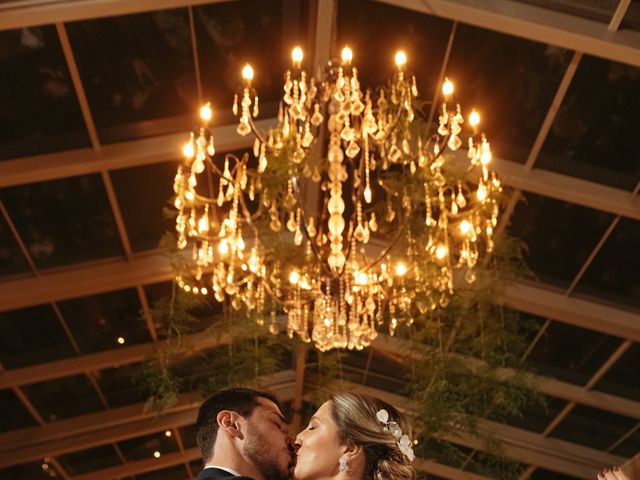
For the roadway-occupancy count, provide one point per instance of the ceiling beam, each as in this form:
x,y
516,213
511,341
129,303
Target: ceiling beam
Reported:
x,y
88,433
154,267
84,161
405,351
30,13
106,359
575,311
535,23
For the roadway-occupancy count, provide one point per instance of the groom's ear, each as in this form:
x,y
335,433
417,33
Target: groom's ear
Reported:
x,y
229,422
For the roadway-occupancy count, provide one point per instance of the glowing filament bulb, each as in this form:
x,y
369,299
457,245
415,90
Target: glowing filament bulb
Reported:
x,y
347,55
401,59
481,194
441,252
247,73
156,454
361,278
223,247
447,87
474,118
203,224
294,277
401,269
465,227
206,113
297,56
188,150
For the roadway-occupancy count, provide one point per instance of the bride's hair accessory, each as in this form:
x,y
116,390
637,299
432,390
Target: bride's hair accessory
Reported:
x,y
404,442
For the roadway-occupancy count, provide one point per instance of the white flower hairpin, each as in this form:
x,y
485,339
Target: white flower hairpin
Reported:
x,y
403,440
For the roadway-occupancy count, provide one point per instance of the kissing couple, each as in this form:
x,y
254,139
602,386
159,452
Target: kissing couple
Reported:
x,y
243,434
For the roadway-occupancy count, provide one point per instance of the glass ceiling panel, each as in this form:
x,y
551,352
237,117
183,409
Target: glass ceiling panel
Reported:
x,y
594,135
117,385
629,447
536,417
541,474
230,34
14,414
32,335
143,448
592,427
511,90
613,274
40,112
623,379
135,69
11,258
85,461
64,221
177,472
371,30
143,193
598,10
32,471
571,353
188,435
560,236
98,321
64,397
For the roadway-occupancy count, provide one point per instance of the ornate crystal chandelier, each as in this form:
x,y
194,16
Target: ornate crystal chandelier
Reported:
x,y
396,215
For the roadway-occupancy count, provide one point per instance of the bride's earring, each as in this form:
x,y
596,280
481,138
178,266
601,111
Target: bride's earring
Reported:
x,y
342,464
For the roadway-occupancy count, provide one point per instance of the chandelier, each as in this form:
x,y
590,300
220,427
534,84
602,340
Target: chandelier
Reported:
x,y
395,212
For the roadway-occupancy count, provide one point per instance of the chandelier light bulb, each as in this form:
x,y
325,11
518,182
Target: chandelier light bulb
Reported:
x,y
206,112
401,59
347,55
481,194
401,269
465,227
474,118
247,73
447,88
441,252
223,247
188,150
294,277
297,56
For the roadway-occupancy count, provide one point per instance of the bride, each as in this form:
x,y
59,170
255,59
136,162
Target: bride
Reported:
x,y
358,437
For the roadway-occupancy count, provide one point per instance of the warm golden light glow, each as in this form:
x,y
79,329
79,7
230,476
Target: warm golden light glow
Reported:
x,y
447,87
247,72
401,59
167,433
474,118
347,55
188,150
297,56
223,247
401,269
441,252
120,340
206,113
294,277
465,227
156,454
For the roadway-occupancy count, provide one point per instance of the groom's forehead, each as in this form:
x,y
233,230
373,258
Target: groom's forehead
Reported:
x,y
266,407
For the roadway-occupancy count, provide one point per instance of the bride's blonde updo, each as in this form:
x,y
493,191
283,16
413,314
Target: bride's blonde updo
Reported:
x,y
355,417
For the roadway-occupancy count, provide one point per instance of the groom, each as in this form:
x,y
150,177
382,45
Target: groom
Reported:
x,y
242,434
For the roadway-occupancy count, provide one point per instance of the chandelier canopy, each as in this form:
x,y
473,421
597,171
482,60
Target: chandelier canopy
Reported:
x,y
350,213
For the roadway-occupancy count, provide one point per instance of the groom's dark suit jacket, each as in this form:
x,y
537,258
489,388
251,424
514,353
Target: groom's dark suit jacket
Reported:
x,y
217,474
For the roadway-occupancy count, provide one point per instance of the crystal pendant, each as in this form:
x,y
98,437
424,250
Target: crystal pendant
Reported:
x,y
243,128
352,150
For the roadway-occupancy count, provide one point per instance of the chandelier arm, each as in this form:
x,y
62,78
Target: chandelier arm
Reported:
x,y
386,250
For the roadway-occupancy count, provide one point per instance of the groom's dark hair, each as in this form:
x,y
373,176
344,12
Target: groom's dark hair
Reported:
x,y
239,400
